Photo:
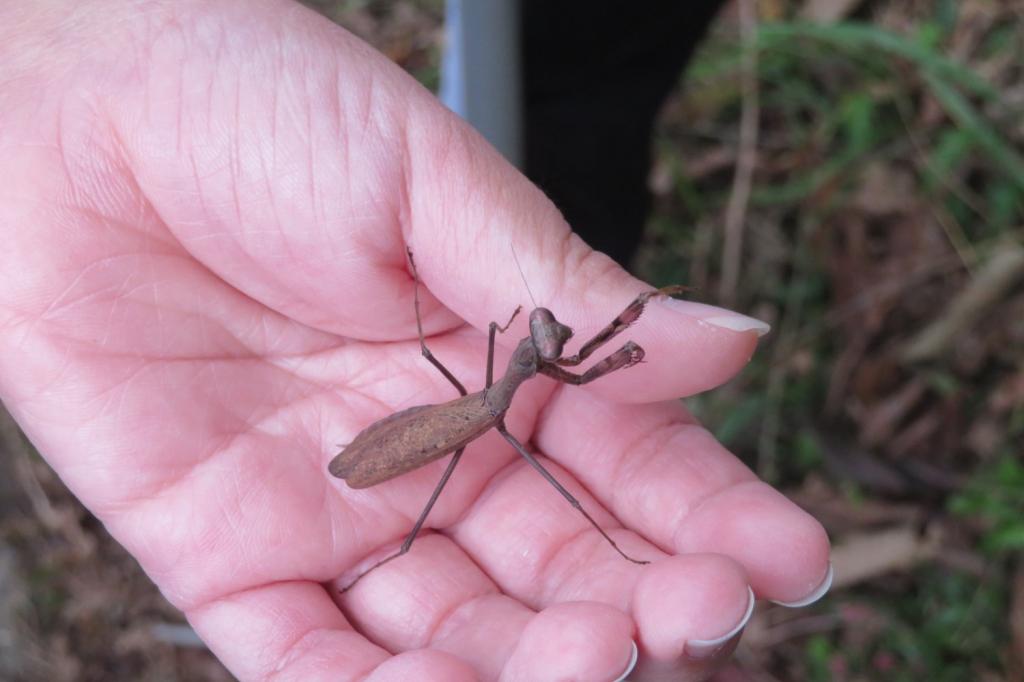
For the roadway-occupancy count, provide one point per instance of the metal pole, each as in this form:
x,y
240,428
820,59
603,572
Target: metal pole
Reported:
x,y
480,70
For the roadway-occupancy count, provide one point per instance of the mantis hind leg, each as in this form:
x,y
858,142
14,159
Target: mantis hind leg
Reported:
x,y
419,327
561,489
407,545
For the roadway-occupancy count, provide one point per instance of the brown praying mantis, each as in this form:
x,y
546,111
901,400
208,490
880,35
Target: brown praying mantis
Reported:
x,y
413,437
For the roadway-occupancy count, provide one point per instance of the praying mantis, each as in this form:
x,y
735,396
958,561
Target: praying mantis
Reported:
x,y
413,437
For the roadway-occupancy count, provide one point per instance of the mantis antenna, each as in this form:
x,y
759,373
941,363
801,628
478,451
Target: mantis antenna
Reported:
x,y
520,268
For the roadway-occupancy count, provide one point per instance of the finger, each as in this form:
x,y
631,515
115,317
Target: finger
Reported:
x,y
422,664
305,639
539,550
436,597
690,612
689,346
401,604
783,549
671,481
573,641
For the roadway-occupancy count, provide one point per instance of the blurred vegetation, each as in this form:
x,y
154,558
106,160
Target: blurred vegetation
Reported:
x,y
881,236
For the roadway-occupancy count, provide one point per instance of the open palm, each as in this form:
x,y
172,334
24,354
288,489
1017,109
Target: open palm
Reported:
x,y
205,295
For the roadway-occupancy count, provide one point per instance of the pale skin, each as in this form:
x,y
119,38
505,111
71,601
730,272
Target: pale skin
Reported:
x,y
204,293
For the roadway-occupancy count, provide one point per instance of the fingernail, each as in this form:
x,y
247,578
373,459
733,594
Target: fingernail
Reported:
x,y
629,667
814,596
700,649
719,317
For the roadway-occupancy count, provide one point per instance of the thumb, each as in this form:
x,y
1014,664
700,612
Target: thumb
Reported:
x,y
530,257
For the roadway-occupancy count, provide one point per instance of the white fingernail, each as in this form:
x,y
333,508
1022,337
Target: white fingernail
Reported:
x,y
629,667
706,648
719,317
740,323
814,596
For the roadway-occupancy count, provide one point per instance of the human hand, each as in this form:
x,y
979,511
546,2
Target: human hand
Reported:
x,y
205,291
